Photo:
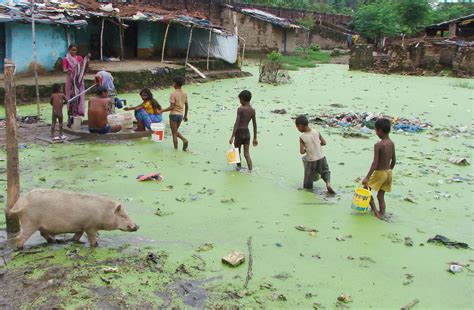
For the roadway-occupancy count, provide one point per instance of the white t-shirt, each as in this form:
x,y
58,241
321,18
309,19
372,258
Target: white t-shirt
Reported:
x,y
312,144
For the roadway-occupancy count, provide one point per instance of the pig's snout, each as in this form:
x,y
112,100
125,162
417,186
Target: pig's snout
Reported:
x,y
133,227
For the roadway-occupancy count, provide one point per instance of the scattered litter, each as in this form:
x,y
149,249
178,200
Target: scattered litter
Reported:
x,y
205,247
160,212
228,201
454,268
408,279
450,244
354,135
302,228
460,161
278,244
279,111
110,270
282,297
154,176
344,298
407,199
106,280
234,259
410,305
408,241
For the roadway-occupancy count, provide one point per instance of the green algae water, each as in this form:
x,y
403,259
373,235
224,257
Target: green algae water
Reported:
x,y
203,200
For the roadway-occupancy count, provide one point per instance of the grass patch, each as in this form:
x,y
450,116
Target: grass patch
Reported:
x,y
463,84
306,59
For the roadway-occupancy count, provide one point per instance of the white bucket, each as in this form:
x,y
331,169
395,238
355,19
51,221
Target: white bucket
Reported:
x,y
158,130
127,121
76,123
115,119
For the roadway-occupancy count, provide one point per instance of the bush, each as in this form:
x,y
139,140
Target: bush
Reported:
x,y
275,57
314,47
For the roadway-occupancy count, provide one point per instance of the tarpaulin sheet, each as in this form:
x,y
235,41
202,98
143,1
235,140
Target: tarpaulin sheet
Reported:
x,y
222,46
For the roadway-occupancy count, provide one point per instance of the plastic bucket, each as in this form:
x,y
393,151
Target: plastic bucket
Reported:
x,y
115,119
158,132
76,123
127,121
233,156
361,200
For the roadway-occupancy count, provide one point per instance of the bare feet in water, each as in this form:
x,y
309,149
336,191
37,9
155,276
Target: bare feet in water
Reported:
x,y
330,189
185,145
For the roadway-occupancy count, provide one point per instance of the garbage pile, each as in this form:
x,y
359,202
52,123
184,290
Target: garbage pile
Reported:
x,y
366,121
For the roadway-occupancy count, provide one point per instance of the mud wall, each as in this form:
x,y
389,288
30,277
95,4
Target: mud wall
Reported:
x,y
418,58
260,35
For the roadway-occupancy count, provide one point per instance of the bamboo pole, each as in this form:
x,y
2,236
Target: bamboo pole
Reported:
x,y
35,58
13,166
164,42
189,45
209,48
102,40
121,38
243,54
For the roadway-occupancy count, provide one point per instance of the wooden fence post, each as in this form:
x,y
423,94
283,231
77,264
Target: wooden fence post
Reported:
x,y
13,167
164,42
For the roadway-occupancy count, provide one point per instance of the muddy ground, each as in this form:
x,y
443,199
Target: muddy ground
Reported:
x,y
204,209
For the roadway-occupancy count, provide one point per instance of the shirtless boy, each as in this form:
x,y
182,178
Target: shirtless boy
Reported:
x,y
240,133
57,101
97,113
379,177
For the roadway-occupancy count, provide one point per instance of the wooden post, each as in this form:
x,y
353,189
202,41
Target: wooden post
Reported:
x,y
209,48
243,54
189,45
121,38
13,167
102,40
68,39
164,42
35,58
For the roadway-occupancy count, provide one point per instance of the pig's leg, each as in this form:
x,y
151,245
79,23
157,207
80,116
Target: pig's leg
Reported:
x,y
25,232
77,237
47,236
92,236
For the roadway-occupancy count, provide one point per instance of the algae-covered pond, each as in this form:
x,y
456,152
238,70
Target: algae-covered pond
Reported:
x,y
204,201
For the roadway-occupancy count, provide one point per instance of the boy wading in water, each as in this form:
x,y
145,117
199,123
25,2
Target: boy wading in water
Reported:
x,y
178,106
379,177
58,99
241,133
314,162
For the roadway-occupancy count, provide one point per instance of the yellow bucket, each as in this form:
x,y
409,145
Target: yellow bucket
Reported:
x,y
361,200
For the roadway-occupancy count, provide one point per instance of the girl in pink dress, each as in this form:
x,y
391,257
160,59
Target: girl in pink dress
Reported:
x,y
75,67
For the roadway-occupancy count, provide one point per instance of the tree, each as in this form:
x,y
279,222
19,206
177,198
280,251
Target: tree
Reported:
x,y
414,14
447,11
377,20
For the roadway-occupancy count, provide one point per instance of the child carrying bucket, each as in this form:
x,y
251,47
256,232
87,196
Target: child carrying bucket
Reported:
x,y
379,177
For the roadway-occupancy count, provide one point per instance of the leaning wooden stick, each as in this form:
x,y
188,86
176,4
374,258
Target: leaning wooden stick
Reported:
x,y
249,270
410,305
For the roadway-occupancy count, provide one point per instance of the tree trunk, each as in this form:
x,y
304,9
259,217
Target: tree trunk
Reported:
x,y
13,167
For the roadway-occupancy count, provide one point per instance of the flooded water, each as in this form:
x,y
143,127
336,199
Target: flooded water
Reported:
x,y
203,200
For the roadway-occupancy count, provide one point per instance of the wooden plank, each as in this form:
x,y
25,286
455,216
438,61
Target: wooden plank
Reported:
x,y
209,48
189,45
13,163
196,70
102,40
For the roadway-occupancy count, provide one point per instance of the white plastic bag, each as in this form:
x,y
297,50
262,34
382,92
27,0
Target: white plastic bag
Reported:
x,y
233,156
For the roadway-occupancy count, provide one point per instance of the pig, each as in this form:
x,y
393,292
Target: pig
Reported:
x,y
53,211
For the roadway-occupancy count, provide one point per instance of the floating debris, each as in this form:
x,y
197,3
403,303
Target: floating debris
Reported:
x,y
234,259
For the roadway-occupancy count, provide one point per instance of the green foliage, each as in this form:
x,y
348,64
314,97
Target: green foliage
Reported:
x,y
314,47
307,22
377,20
448,11
275,57
414,14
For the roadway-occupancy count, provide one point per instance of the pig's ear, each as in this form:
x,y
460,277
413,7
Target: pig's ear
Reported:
x,y
118,207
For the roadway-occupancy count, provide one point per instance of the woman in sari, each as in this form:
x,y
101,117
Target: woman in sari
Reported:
x,y
75,67
147,112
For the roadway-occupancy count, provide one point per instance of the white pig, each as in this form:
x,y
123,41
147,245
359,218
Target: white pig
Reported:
x,y
53,212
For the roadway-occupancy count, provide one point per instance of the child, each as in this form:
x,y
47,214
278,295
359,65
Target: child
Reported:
x,y
178,105
379,177
58,99
314,161
240,133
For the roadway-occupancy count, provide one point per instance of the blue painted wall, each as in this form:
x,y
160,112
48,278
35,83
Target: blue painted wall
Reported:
x,y
50,43
150,39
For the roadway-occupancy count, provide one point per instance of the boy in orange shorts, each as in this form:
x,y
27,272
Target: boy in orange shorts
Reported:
x,y
379,177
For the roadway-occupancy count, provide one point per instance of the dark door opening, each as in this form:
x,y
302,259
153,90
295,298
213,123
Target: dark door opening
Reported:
x,y
130,41
2,47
